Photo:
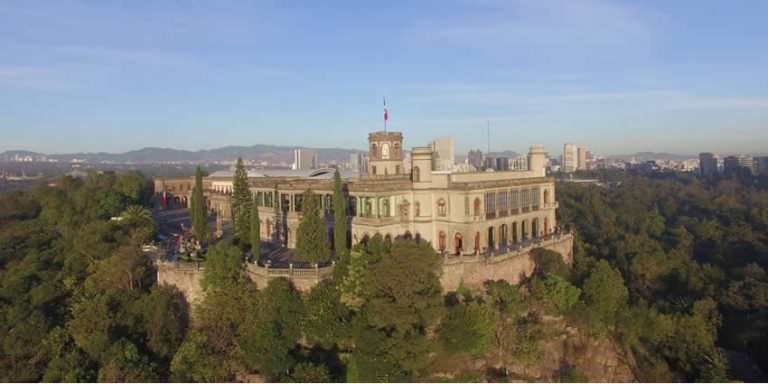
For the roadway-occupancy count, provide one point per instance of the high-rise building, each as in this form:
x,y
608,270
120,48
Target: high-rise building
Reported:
x,y
760,164
475,158
570,158
356,162
582,158
707,164
489,163
502,163
443,153
731,164
304,158
748,162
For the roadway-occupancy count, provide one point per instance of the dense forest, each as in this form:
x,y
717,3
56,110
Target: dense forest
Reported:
x,y
670,270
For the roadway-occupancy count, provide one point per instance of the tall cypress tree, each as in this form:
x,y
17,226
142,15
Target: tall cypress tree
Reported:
x,y
197,208
255,230
311,240
241,203
339,216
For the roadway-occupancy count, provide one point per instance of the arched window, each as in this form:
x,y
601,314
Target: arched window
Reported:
x,y
466,205
367,207
416,174
441,241
476,210
373,169
442,208
416,209
458,243
546,196
385,208
477,241
385,151
374,151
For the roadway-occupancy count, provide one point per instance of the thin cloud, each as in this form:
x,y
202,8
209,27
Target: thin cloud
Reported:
x,y
538,23
33,77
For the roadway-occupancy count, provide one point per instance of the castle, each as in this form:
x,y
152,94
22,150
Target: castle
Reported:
x,y
460,213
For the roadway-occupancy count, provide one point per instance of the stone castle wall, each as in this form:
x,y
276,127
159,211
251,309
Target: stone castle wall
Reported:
x,y
187,277
472,271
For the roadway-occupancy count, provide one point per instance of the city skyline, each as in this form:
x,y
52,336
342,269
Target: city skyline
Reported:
x,y
681,78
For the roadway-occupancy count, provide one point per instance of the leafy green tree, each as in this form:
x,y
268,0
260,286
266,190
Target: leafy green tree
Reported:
x,y
339,217
403,288
165,316
371,361
274,330
136,213
223,267
128,269
133,186
255,231
241,203
604,294
402,298
198,360
197,209
309,373
557,294
326,319
67,363
548,261
311,236
124,363
468,327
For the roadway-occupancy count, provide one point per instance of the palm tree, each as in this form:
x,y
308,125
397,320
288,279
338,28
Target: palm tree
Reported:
x,y
136,213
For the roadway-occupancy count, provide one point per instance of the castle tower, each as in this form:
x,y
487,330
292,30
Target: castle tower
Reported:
x,y
385,153
537,160
421,164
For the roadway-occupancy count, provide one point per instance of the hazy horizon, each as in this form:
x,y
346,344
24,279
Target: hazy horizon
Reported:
x,y
616,77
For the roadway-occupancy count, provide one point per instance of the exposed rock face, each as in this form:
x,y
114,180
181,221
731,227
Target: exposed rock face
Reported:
x,y
593,360
597,360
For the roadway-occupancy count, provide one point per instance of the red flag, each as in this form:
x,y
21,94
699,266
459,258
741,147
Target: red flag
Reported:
x,y
386,115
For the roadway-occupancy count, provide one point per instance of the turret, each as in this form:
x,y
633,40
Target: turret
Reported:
x,y
385,153
537,160
421,164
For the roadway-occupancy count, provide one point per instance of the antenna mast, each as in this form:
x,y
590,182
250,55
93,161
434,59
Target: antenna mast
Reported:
x,y
488,124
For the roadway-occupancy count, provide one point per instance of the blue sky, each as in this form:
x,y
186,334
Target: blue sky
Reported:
x,y
618,77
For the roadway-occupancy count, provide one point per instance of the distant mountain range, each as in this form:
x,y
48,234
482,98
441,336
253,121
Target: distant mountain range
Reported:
x,y
259,152
645,156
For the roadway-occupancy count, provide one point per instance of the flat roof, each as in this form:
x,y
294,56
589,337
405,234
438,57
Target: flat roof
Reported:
x,y
315,174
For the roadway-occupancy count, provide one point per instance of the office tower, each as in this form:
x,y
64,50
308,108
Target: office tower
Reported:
x,y
730,164
443,153
707,164
475,158
304,159
502,163
570,158
582,158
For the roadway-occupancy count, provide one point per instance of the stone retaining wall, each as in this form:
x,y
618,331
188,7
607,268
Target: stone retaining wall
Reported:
x,y
473,271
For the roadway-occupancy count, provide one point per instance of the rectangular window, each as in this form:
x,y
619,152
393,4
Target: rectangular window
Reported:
x,y
501,201
285,202
490,202
515,199
466,205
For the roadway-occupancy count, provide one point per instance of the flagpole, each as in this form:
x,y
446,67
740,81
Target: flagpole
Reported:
x,y
385,114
